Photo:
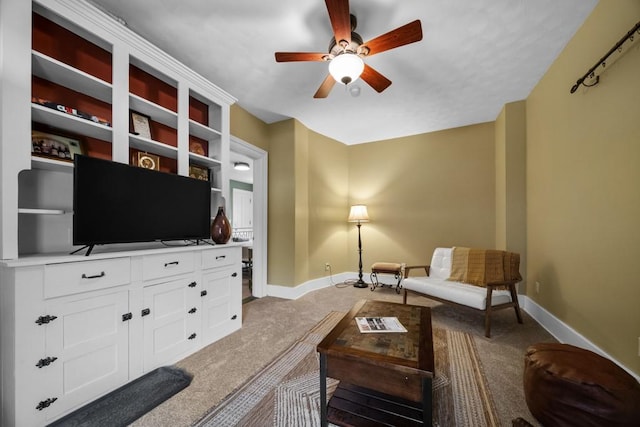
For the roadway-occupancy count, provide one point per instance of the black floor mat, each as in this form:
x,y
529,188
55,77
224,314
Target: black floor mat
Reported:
x,y
129,402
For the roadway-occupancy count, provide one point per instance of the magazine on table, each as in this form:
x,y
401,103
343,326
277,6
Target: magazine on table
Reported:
x,y
368,325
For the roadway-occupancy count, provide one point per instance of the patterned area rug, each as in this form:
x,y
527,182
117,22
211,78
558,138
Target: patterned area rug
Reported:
x,y
287,392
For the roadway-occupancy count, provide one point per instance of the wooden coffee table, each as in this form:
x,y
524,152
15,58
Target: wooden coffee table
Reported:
x,y
384,377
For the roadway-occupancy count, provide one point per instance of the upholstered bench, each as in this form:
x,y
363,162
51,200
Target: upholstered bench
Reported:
x,y
566,385
393,268
453,282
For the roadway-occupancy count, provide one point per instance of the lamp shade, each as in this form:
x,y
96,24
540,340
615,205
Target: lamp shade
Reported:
x,y
358,213
346,68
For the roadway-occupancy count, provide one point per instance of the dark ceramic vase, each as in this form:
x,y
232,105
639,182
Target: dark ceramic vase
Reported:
x,y
220,227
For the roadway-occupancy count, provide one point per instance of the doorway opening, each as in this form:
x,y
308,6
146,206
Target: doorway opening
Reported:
x,y
248,192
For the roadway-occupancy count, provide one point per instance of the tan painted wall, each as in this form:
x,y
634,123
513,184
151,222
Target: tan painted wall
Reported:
x,y
308,186
583,187
281,206
328,205
424,191
249,128
510,150
301,202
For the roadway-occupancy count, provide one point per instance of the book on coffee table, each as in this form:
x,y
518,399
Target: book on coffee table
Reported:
x,y
368,325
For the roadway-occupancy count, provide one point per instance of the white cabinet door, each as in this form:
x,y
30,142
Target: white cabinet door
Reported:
x,y
171,321
89,341
221,303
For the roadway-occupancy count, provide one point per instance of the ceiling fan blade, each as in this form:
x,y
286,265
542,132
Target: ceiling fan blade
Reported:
x,y
340,19
325,87
375,79
299,56
409,33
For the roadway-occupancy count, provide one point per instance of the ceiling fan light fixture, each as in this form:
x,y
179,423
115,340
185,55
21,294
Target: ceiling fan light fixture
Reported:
x,y
346,67
241,166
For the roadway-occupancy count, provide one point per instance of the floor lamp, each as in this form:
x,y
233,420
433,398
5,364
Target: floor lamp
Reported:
x,y
358,214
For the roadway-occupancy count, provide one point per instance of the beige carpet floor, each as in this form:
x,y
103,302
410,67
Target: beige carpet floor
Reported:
x,y
286,392
271,325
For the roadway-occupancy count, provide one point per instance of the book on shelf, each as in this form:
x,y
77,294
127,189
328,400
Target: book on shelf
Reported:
x,y
69,110
368,325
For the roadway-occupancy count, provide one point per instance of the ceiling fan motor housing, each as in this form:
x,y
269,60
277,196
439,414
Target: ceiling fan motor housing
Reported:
x,y
335,49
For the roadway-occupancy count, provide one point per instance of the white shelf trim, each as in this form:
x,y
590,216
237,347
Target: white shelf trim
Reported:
x,y
33,211
58,72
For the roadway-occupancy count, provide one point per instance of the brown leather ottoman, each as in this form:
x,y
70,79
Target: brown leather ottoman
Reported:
x,y
570,386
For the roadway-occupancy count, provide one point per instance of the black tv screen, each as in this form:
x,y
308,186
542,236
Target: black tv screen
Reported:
x,y
117,203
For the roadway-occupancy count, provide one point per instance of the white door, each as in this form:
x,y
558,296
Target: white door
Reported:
x,y
242,209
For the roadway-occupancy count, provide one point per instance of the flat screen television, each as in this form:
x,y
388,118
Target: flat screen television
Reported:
x,y
117,203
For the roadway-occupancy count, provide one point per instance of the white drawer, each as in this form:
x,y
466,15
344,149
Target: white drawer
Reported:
x,y
220,257
75,277
166,265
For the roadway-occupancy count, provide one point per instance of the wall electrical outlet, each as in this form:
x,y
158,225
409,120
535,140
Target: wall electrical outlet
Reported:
x,y
327,266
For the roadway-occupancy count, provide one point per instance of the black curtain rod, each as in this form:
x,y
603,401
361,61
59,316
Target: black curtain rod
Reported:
x,y
603,60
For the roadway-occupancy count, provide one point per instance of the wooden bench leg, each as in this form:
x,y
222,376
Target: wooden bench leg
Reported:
x,y
487,314
404,297
514,300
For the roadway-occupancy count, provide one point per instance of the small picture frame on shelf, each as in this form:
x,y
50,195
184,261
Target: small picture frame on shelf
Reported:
x,y
197,147
199,172
148,161
56,145
140,124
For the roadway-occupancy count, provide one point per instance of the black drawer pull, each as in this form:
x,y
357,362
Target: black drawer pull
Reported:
x,y
145,312
45,319
167,264
192,336
192,284
46,403
96,276
46,362
193,310
234,275
127,316
234,317
203,293
221,257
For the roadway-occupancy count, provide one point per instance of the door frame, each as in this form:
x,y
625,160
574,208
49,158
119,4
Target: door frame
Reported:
x,y
260,198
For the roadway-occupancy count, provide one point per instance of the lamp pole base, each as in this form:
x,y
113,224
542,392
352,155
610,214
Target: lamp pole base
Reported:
x,y
360,284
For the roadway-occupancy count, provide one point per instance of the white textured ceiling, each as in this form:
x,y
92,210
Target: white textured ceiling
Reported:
x,y
475,56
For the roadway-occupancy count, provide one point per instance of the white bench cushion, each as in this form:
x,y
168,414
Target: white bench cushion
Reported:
x,y
441,263
461,293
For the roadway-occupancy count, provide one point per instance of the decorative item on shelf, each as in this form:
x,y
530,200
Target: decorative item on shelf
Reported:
x,y
220,227
358,214
140,124
199,172
55,145
197,147
148,161
69,110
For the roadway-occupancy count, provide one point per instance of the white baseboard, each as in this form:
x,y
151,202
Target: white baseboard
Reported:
x,y
563,332
296,292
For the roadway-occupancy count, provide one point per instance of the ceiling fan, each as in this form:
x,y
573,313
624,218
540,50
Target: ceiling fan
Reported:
x,y
347,50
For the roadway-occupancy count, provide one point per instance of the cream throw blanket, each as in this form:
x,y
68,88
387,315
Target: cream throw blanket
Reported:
x,y
482,266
